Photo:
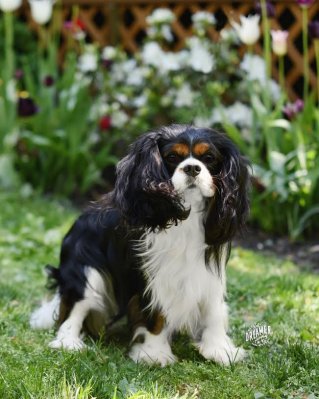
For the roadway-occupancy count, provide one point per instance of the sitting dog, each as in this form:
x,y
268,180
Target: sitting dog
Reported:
x,y
155,249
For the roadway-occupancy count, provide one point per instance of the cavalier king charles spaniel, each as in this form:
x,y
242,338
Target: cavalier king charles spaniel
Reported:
x,y
155,249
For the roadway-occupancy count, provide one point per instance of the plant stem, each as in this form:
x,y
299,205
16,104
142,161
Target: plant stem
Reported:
x,y
317,66
305,51
267,50
9,55
281,72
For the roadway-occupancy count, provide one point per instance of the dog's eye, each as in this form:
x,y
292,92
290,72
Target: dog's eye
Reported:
x,y
173,158
207,158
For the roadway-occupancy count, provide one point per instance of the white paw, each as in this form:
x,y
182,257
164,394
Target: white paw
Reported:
x,y
67,343
144,353
223,351
155,348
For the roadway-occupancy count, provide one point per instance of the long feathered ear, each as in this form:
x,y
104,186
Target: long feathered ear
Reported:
x,y
228,209
143,191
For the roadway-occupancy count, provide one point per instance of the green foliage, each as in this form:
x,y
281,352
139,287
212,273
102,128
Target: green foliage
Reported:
x,y
61,141
260,288
100,100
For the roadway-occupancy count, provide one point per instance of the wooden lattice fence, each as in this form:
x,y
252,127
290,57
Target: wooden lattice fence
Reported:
x,y
123,21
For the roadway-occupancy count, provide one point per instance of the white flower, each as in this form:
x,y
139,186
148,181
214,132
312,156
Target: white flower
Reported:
x,y
160,16
217,115
169,62
137,77
201,121
166,33
41,10
10,5
139,101
279,41
88,61
229,35
255,67
248,29
162,31
184,96
200,59
123,71
119,119
201,18
164,61
108,53
152,53
239,114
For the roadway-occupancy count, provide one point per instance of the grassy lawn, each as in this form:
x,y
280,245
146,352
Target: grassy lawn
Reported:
x,y
260,289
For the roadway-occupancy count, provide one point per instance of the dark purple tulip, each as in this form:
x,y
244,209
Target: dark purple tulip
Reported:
x,y
290,110
26,107
314,29
48,81
305,3
269,7
107,64
18,74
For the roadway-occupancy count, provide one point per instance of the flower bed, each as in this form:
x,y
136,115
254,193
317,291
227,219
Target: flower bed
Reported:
x,y
62,126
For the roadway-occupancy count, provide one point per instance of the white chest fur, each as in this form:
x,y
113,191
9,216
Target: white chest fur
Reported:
x,y
179,282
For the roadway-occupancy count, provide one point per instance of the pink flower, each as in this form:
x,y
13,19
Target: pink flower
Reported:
x,y
305,3
76,27
279,42
290,110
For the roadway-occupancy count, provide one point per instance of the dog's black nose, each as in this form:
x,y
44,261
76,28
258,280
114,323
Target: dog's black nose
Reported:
x,y
192,170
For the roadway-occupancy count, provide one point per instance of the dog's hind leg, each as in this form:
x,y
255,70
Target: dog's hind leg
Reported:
x,y
69,333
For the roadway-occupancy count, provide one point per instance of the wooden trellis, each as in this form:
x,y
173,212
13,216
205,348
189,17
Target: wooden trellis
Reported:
x,y
124,22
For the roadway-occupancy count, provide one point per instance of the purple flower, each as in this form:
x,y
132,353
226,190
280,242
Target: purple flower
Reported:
x,y
314,29
290,110
26,107
305,3
107,63
48,81
18,74
269,8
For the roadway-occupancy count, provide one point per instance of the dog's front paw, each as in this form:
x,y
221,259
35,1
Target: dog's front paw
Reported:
x,y
67,343
141,353
222,351
152,348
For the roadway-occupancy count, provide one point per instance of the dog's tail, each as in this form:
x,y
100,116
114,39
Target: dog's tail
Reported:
x,y
47,314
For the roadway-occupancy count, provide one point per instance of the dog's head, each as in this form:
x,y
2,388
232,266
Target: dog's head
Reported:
x,y
164,166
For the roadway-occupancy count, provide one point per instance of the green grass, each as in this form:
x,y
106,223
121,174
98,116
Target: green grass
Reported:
x,y
260,289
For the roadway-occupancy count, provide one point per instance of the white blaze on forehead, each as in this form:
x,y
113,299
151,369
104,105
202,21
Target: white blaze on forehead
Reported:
x,y
203,181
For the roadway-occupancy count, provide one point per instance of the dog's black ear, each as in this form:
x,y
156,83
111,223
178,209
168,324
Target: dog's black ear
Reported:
x,y
143,191
228,209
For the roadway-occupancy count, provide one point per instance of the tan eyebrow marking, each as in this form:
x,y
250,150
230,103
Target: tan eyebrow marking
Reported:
x,y
200,149
180,149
